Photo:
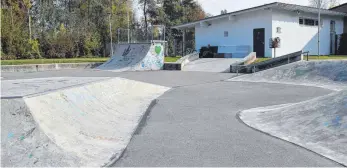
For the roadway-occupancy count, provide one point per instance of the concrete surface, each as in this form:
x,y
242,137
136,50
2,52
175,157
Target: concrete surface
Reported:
x,y
196,126
326,74
23,143
211,64
23,87
319,124
93,122
47,67
164,78
136,57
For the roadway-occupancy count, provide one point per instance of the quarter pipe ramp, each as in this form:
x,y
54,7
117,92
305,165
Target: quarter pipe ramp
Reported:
x,y
136,57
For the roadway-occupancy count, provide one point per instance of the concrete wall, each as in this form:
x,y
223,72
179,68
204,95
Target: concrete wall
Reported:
x,y
47,67
296,37
240,30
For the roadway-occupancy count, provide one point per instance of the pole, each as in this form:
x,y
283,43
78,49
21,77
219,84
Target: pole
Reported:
x,y
183,43
319,6
128,26
275,51
111,46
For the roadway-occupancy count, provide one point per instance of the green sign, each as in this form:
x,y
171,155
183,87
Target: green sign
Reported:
x,y
157,49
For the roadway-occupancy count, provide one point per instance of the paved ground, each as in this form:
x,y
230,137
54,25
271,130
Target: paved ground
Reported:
x,y
194,124
211,64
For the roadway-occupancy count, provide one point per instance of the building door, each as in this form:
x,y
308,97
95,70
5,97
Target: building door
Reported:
x,y
259,42
333,39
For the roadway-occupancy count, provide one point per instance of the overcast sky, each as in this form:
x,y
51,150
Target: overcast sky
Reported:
x,y
215,6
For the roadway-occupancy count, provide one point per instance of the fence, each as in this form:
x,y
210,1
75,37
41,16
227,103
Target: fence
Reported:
x,y
155,32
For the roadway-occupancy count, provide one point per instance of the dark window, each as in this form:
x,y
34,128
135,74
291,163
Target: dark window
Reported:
x,y
226,33
309,22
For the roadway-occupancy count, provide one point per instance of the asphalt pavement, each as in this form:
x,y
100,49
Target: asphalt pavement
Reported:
x,y
195,124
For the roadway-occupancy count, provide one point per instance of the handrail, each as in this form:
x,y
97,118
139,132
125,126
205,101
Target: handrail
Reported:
x,y
306,52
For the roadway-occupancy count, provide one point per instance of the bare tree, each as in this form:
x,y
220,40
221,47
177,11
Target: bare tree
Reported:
x,y
324,4
319,3
334,3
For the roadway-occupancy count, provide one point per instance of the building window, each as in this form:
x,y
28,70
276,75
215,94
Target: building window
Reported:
x,y
308,22
226,33
279,30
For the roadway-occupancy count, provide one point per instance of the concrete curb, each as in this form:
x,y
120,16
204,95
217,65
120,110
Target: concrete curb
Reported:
x,y
271,63
48,67
266,133
179,64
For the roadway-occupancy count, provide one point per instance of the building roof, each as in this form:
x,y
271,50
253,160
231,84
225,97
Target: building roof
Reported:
x,y
338,6
275,5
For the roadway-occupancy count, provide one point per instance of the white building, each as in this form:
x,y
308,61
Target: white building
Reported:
x,y
238,33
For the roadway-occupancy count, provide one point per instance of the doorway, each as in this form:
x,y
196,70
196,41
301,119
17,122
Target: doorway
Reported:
x,y
259,42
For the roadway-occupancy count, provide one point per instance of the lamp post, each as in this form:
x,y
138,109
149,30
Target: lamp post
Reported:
x,y
319,6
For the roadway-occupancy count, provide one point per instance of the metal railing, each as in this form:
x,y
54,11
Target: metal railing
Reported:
x,y
306,52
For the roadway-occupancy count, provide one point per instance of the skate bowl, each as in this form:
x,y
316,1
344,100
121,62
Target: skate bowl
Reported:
x,y
326,74
319,125
52,128
136,57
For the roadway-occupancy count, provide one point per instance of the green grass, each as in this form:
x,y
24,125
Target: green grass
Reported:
x,y
172,59
260,60
51,61
325,57
67,60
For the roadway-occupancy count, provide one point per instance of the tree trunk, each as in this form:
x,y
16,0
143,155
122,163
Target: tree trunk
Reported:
x,y
145,15
10,48
29,24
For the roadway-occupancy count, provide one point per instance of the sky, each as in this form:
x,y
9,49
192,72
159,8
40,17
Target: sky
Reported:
x,y
214,7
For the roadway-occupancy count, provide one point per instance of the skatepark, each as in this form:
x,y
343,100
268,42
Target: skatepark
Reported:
x,y
130,112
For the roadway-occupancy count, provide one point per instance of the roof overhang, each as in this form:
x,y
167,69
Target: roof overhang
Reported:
x,y
276,5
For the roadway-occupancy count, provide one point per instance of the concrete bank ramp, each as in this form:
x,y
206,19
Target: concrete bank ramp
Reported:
x,y
326,74
136,57
319,124
211,64
87,125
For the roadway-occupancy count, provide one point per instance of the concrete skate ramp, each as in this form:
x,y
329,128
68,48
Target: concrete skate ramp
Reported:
x,y
87,125
24,144
326,74
136,57
319,124
211,64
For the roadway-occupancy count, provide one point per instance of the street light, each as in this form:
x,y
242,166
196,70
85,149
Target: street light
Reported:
x,y
319,6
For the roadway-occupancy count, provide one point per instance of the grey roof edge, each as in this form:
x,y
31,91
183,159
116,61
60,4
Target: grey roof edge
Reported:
x,y
278,5
338,6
